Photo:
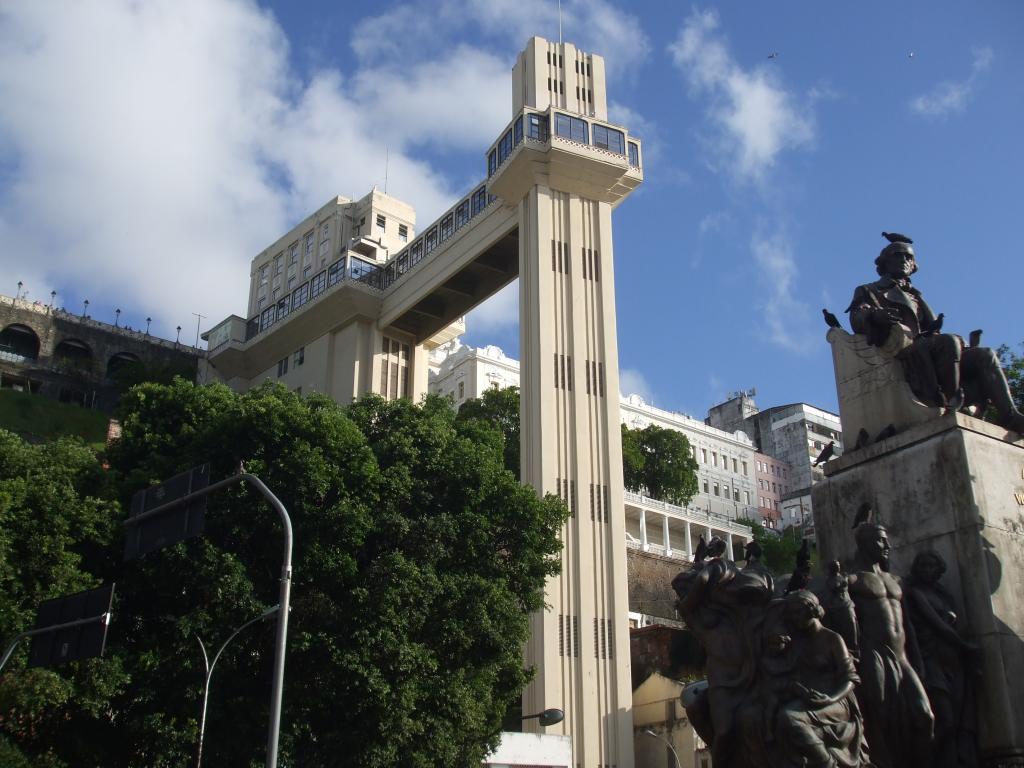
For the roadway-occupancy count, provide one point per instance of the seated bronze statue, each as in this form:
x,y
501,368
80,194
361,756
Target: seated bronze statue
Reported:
x,y
940,368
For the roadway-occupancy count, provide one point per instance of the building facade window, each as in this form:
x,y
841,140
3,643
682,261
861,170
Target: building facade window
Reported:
x,y
394,369
282,367
403,233
299,357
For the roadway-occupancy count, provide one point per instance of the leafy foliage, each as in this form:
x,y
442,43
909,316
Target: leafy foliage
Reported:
x,y
1013,366
659,462
499,407
417,558
55,527
779,550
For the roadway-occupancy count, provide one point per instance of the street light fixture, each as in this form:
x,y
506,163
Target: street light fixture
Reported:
x,y
209,673
53,295
547,717
85,307
18,294
650,732
117,317
148,321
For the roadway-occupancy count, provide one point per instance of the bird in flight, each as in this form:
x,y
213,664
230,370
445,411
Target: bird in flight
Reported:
x,y
775,55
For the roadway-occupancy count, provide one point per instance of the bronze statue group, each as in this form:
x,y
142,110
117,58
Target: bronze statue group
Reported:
x,y
862,671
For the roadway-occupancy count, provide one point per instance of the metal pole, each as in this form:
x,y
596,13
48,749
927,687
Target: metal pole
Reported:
x,y
209,674
668,743
104,617
277,688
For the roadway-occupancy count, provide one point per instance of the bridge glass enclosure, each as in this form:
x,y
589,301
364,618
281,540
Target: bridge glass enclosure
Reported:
x,y
534,127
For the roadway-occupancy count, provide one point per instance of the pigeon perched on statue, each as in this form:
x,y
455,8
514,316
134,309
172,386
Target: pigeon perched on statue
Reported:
x,y
826,453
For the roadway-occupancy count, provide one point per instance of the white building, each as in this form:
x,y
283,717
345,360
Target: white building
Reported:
x,y
726,461
796,434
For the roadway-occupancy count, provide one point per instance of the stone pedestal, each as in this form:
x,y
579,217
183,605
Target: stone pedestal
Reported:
x,y
955,485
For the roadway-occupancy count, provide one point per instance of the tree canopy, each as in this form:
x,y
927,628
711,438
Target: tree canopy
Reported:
x,y
659,463
778,551
417,559
499,407
1013,366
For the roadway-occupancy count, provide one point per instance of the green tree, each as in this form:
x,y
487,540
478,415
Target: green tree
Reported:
x,y
659,462
55,528
418,557
499,407
779,550
1013,366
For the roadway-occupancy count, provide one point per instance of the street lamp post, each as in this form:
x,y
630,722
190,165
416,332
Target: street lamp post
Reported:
x,y
85,308
650,732
209,673
53,295
148,321
178,339
117,317
18,294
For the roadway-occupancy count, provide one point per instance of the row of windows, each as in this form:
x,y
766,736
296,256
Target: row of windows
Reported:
x,y
568,635
298,358
774,469
567,126
582,67
723,491
736,463
450,223
769,503
560,257
607,637
307,292
768,485
394,369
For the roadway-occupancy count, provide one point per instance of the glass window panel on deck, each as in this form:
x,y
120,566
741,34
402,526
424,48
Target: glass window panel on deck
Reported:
x,y
563,127
517,130
462,214
447,227
634,154
300,295
430,241
359,269
318,285
416,251
537,127
335,272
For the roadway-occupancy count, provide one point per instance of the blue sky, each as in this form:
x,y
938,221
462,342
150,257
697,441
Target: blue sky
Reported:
x,y
149,150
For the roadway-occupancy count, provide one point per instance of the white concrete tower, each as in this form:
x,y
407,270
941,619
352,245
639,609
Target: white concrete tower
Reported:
x,y
572,169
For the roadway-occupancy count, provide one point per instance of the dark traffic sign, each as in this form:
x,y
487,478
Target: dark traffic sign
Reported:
x,y
177,523
91,611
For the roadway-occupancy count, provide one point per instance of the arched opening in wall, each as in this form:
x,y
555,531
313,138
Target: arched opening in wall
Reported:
x,y
72,356
19,344
121,363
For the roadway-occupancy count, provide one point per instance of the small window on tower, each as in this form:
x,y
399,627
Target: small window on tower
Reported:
x,y
381,221
403,233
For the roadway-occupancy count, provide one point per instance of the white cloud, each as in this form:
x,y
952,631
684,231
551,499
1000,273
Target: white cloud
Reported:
x,y
632,382
419,30
499,312
755,117
787,319
952,96
150,150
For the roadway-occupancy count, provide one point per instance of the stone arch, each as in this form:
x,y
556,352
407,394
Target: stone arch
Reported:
x,y
73,356
19,343
119,361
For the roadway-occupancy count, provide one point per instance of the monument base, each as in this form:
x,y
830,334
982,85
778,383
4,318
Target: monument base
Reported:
x,y
953,485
